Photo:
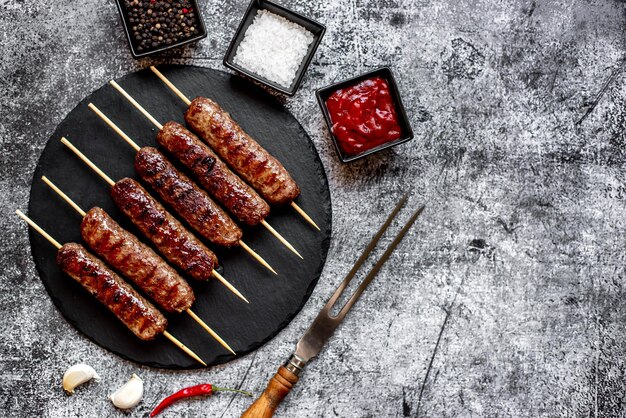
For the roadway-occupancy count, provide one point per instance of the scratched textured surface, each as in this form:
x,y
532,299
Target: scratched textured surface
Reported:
x,y
508,298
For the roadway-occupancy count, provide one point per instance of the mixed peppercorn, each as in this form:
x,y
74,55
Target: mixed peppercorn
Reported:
x,y
157,23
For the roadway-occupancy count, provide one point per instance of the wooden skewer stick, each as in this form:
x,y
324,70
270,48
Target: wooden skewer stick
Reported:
x,y
112,183
87,161
83,213
228,285
169,84
183,347
58,246
304,215
113,126
280,238
210,331
38,229
137,105
184,98
65,197
257,257
136,147
159,126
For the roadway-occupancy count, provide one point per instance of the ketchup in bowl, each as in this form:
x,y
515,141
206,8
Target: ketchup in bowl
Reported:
x,y
363,116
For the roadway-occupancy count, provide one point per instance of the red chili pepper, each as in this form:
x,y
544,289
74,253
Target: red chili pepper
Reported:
x,y
185,10
198,390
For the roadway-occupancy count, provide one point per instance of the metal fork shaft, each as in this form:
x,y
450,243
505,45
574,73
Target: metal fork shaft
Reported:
x,y
324,325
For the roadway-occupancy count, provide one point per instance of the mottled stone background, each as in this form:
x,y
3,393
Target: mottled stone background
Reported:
x,y
508,299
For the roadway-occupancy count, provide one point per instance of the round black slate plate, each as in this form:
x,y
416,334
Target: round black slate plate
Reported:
x,y
274,300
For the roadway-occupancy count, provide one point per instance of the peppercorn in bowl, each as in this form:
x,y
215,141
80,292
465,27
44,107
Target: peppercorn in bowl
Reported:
x,y
154,26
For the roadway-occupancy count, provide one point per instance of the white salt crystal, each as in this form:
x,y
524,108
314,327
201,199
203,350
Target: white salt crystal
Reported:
x,y
273,47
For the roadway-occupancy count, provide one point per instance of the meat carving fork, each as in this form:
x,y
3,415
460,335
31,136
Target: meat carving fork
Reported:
x,y
324,325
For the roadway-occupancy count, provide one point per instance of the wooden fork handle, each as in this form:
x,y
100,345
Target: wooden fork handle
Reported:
x,y
278,387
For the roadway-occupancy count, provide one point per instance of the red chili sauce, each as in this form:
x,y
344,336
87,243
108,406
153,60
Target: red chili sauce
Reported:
x,y
363,116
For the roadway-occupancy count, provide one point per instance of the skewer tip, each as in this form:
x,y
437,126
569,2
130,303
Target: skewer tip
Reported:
x,y
280,238
305,215
210,331
184,348
242,297
229,286
257,257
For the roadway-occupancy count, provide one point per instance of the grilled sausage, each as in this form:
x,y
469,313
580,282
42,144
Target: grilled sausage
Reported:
x,y
136,261
244,155
139,315
177,244
215,176
186,199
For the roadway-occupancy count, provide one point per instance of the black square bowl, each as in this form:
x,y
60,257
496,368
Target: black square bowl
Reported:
x,y
316,28
406,131
202,33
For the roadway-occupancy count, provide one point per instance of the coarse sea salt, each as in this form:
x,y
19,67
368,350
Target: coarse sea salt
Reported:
x,y
273,47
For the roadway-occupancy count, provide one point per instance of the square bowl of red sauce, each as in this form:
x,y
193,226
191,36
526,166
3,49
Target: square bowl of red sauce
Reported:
x,y
365,114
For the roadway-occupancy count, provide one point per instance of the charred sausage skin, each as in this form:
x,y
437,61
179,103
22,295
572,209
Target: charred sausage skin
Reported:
x,y
215,176
186,199
136,261
242,153
139,315
177,244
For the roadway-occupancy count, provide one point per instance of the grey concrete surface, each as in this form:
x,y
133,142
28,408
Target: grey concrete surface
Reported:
x,y
508,299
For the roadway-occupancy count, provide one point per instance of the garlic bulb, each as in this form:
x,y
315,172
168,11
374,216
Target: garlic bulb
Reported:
x,y
77,375
129,394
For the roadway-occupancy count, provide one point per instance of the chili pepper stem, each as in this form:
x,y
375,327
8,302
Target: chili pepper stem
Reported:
x,y
218,389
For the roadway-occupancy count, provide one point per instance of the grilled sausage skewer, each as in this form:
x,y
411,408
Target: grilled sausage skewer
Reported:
x,y
213,174
179,127
138,262
189,201
140,316
238,149
177,244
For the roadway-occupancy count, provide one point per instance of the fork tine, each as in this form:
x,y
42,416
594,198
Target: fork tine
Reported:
x,y
365,254
370,276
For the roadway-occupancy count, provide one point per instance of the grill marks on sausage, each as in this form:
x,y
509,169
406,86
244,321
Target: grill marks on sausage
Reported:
x,y
249,159
232,192
233,147
134,311
138,262
177,244
187,199
257,171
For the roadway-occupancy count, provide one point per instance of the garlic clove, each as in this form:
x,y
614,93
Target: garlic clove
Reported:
x,y
129,395
77,375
